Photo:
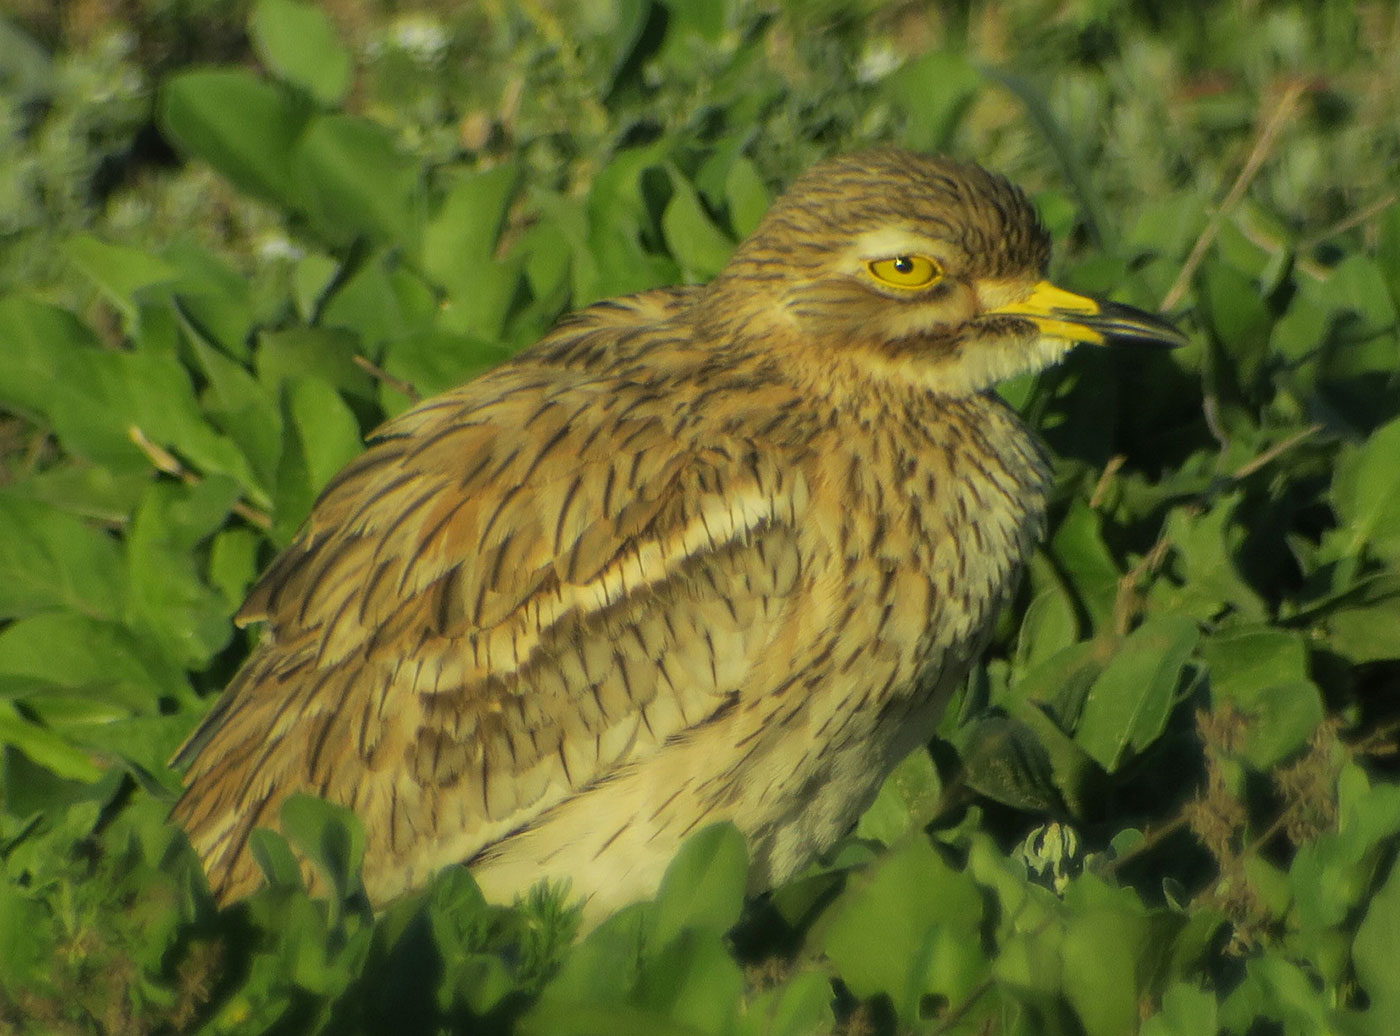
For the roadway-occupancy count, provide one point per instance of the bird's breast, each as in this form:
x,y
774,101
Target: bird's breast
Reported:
x,y
930,512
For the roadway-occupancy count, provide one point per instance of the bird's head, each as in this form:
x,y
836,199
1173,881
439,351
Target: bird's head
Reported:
x,y
913,268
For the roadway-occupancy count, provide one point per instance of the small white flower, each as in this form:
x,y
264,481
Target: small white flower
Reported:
x,y
274,247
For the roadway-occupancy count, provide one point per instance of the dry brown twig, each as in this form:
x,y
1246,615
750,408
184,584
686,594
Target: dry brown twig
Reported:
x,y
163,460
1258,155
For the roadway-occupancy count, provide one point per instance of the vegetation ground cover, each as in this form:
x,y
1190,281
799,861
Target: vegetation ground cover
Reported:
x,y
235,236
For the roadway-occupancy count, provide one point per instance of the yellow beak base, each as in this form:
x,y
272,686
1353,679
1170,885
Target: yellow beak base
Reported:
x,y
1079,318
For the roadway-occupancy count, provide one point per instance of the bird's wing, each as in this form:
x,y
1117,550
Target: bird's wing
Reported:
x,y
501,601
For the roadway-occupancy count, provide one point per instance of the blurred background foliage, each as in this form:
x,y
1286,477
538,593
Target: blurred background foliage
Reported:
x,y
236,236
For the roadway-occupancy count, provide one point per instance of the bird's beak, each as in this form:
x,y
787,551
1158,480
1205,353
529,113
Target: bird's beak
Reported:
x,y
1078,318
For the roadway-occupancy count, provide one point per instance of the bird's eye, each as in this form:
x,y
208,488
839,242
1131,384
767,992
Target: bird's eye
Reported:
x,y
905,271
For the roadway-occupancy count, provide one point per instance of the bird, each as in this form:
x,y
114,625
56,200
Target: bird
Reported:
x,y
703,553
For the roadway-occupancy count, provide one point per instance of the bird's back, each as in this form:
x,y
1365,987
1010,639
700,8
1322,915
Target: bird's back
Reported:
x,y
554,620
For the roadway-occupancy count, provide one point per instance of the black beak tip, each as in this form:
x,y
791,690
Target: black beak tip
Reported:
x,y
1129,325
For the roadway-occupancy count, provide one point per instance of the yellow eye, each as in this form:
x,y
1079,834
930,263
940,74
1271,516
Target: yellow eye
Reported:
x,y
905,271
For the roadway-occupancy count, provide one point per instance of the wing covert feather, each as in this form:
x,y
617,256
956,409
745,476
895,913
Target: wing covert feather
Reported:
x,y
499,603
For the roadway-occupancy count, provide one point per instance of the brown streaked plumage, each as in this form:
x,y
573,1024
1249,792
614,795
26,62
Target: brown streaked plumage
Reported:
x,y
702,553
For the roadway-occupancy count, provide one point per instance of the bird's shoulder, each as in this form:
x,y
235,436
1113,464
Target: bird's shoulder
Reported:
x,y
550,486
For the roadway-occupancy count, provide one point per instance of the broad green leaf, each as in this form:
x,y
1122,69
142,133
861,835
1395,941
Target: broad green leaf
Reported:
x,y
49,559
233,564
1128,705
886,929
933,92
328,432
435,361
26,930
328,835
1368,632
57,374
1240,322
1274,989
1206,546
297,42
382,302
354,181
692,237
1263,674
1377,948
747,197
459,252
167,598
1366,492
1090,570
798,1007
906,799
1332,875
1051,623
466,228
703,887
45,747
321,353
121,273
1186,1011
160,399
692,981
1103,949
242,407
245,128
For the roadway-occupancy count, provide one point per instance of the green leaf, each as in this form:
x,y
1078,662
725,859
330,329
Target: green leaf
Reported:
x,y
933,92
1262,673
45,747
906,799
799,1007
27,934
328,432
56,373
459,252
703,887
244,128
298,43
1366,492
354,181
887,930
167,598
1240,321
699,246
1128,705
1103,949
1377,947
692,981
49,559
1089,567
325,354
747,197
328,835
1050,624
84,659
121,273
242,407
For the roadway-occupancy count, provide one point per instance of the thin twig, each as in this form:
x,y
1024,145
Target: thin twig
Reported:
x,y
1128,597
1150,841
1274,451
1258,155
1115,463
163,460
397,384
1342,226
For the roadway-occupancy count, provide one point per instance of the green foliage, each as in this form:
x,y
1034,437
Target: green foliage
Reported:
x,y
1166,801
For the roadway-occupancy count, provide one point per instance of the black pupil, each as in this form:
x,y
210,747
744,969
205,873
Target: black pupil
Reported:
x,y
903,264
